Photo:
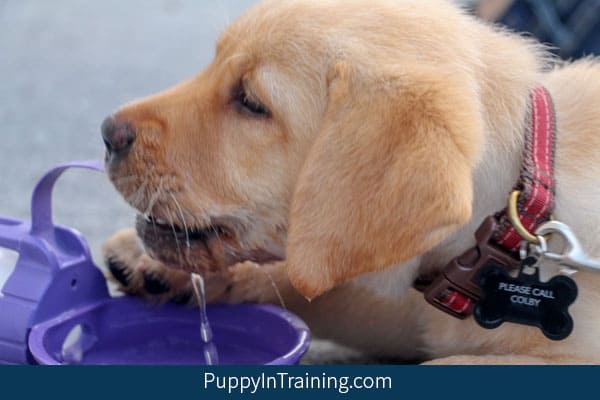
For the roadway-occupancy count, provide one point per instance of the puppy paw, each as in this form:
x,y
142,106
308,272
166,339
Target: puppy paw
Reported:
x,y
137,274
253,283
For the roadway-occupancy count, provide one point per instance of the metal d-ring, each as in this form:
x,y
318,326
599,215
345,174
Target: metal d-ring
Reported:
x,y
515,220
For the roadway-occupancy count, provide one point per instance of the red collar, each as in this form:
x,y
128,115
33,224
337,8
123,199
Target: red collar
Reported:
x,y
455,290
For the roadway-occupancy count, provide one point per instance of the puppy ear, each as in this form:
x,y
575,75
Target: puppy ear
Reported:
x,y
388,176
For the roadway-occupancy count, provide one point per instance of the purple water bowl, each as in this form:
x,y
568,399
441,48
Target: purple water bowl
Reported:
x,y
55,308
128,331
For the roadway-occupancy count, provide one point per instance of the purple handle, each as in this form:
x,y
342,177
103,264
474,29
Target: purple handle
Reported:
x,y
54,272
41,200
11,232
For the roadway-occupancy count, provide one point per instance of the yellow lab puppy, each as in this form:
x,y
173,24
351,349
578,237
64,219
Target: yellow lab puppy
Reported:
x,y
338,149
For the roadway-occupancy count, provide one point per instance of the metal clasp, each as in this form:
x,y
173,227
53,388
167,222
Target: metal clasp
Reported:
x,y
573,255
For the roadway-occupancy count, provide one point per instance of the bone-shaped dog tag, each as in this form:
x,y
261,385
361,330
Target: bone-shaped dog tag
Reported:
x,y
525,300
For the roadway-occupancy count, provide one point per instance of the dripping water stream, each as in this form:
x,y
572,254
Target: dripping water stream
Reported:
x,y
211,356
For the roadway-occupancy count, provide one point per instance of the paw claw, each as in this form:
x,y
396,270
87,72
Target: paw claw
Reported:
x,y
182,298
118,271
155,285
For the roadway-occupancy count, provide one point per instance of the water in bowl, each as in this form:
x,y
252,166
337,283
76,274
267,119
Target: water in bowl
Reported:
x,y
82,343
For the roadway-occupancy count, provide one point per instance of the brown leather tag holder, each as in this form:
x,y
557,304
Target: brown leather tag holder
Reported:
x,y
456,290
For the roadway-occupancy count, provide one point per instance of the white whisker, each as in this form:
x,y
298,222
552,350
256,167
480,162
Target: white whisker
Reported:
x,y
179,254
124,179
136,197
154,198
152,203
185,228
273,284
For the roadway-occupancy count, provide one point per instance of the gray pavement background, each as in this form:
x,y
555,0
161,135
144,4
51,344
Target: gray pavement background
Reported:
x,y
64,66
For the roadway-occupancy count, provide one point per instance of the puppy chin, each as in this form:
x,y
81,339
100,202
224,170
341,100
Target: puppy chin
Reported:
x,y
176,249
200,251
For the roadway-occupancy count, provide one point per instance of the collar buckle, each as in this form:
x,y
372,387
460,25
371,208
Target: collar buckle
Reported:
x,y
455,290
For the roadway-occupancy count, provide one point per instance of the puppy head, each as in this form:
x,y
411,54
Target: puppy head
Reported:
x,y
342,144
211,163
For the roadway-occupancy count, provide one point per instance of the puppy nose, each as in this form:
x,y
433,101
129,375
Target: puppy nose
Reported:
x,y
118,135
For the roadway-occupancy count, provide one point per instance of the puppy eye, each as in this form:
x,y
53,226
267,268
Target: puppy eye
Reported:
x,y
249,105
